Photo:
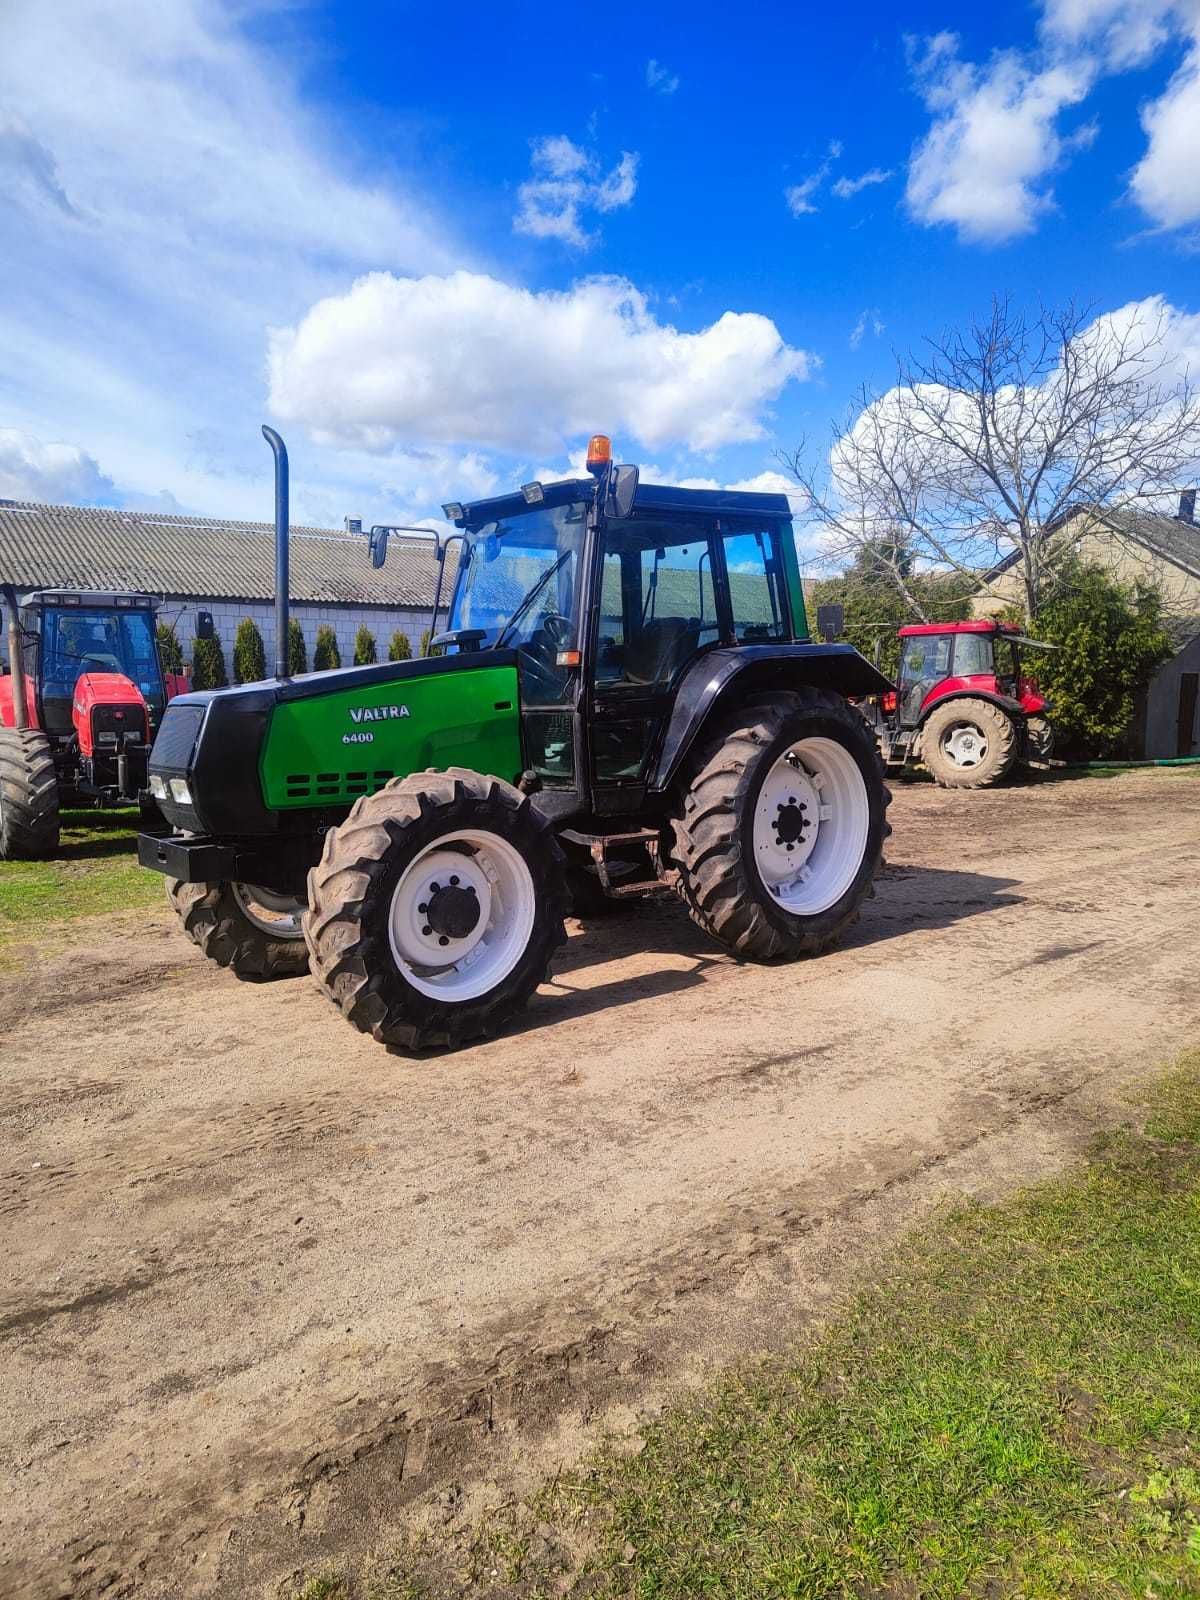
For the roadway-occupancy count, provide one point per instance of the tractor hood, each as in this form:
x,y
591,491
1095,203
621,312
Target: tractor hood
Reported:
x,y
260,758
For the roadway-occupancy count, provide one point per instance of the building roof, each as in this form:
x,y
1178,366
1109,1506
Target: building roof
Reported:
x,y
91,547
1166,536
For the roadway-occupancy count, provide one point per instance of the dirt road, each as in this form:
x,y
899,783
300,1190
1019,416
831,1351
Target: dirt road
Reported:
x,y
265,1283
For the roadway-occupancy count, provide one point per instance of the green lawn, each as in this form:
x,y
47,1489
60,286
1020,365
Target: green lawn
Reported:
x,y
95,871
1012,1409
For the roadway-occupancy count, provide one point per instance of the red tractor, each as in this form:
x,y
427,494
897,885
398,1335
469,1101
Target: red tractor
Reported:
x,y
962,704
79,706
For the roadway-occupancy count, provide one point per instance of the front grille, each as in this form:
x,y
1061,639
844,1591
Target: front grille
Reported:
x,y
116,720
335,786
176,742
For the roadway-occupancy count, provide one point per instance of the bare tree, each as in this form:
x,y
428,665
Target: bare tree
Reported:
x,y
995,437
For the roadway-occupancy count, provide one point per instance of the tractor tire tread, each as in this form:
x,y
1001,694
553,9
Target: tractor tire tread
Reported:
x,y
342,945
715,881
1002,736
217,926
29,816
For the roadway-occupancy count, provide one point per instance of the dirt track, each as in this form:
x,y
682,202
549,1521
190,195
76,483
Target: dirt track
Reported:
x,y
265,1283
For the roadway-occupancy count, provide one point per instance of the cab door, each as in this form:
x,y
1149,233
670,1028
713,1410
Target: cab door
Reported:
x,y
661,601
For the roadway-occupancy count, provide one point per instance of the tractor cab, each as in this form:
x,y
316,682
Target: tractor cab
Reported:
x,y
81,701
608,607
962,703
105,637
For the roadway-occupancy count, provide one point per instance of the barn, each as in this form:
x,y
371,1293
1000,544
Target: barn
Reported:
x,y
203,566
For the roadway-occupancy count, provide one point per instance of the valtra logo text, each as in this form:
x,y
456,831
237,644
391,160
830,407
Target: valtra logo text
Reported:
x,y
377,713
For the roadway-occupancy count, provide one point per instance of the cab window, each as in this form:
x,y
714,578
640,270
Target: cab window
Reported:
x,y
755,586
973,654
657,604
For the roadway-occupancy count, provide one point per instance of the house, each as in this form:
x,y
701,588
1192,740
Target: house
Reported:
x,y
202,565
1151,547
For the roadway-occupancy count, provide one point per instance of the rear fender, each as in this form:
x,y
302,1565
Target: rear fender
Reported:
x,y
7,720
722,676
1012,708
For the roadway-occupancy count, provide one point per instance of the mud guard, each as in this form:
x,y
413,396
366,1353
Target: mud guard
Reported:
x,y
717,675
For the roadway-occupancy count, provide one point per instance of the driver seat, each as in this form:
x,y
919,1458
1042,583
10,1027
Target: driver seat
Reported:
x,y
661,647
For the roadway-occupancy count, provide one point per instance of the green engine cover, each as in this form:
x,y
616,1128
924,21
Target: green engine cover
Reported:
x,y
330,747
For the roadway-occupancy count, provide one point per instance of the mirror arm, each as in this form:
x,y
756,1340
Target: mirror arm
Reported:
x,y
443,551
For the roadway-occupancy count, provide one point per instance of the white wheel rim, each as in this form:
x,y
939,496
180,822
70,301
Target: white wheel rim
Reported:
x,y
811,822
457,967
277,915
965,744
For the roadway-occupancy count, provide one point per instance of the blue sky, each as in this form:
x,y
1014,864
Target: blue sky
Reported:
x,y
439,245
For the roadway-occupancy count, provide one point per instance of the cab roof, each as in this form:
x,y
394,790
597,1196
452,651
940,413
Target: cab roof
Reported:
x,y
97,599
976,625
650,497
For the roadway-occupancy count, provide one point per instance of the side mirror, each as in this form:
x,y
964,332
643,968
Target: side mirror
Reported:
x,y
622,491
831,620
204,625
377,544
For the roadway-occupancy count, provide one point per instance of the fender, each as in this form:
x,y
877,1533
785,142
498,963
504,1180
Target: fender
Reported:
x,y
721,674
7,720
1012,708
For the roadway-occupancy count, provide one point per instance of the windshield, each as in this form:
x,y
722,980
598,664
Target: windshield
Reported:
x,y
519,579
76,641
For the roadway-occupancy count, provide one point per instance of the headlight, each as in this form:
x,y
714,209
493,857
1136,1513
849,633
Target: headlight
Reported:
x,y
158,786
180,791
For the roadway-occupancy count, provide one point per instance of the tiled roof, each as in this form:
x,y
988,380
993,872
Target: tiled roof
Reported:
x,y
89,547
1175,541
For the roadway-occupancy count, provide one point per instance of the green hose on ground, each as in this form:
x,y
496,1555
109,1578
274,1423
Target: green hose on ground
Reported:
x,y
1161,761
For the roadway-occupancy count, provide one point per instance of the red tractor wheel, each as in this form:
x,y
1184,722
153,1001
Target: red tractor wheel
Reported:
x,y
968,744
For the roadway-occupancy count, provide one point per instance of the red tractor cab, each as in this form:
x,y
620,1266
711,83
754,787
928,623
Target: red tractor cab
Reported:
x,y
963,705
79,706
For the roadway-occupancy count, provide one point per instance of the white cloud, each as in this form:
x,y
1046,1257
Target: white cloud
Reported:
x,y
799,196
167,195
847,188
983,164
866,320
658,77
469,359
1166,181
1127,32
59,474
565,183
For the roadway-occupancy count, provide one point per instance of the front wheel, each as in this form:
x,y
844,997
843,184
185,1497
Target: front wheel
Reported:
x,y
781,829
253,931
435,908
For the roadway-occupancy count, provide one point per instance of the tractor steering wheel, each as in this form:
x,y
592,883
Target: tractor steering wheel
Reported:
x,y
543,676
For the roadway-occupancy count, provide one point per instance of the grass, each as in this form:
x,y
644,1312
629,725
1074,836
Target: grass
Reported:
x,y
1012,1409
95,871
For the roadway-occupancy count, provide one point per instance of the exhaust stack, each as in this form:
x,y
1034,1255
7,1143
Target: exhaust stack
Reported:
x,y
281,550
16,658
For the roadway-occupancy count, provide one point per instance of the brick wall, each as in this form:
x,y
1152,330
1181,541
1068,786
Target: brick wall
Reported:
x,y
345,621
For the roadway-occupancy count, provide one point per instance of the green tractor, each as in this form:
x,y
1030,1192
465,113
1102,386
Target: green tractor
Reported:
x,y
625,700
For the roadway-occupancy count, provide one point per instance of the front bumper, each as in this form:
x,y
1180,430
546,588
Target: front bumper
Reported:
x,y
190,860
279,863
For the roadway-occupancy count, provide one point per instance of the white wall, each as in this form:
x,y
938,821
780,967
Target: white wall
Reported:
x,y
345,621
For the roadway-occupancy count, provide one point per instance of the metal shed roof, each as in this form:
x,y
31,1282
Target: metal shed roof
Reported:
x,y
91,547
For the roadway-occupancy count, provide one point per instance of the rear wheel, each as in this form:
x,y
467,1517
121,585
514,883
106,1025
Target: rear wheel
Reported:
x,y
254,931
436,908
781,829
968,744
28,796
1039,733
